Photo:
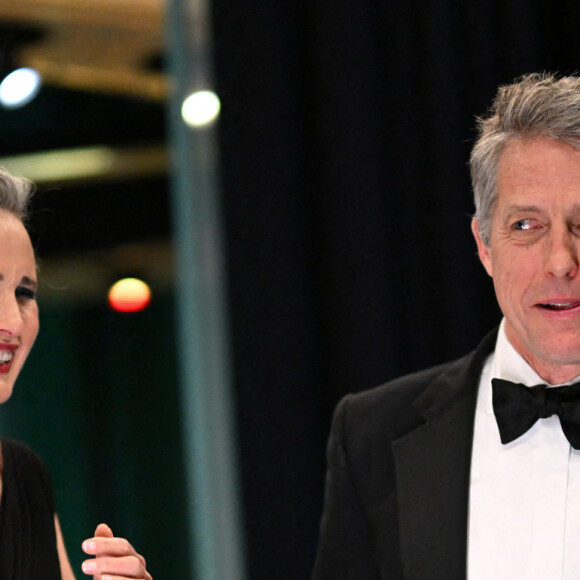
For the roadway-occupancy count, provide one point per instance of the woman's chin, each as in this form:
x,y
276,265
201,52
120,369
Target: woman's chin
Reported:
x,y
6,388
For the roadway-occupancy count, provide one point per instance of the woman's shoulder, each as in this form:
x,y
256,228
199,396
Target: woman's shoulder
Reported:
x,y
21,462
27,528
13,450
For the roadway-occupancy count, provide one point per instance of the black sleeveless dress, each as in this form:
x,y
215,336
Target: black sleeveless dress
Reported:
x,y
27,536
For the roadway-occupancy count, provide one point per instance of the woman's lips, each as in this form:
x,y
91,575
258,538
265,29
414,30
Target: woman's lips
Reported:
x,y
6,357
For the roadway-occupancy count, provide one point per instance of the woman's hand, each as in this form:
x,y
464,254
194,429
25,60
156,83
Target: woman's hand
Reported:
x,y
114,558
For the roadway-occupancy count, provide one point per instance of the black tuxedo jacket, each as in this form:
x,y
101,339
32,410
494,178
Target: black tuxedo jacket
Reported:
x,y
397,486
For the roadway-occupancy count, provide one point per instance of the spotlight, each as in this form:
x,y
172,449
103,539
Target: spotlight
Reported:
x,y
201,109
129,295
19,87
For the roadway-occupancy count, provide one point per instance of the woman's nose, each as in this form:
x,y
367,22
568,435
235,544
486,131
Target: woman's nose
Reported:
x,y
10,315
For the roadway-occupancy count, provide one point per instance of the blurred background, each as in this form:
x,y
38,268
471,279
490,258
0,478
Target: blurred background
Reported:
x,y
310,241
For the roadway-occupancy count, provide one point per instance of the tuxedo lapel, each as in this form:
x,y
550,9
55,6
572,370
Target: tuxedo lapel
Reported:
x,y
432,467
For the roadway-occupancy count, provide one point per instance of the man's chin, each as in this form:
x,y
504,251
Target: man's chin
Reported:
x,y
554,363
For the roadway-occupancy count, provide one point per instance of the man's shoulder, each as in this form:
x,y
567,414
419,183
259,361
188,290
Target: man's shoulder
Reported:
x,y
400,404
466,368
365,422
405,388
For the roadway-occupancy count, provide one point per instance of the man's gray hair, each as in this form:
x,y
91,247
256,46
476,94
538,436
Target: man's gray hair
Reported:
x,y
15,194
536,105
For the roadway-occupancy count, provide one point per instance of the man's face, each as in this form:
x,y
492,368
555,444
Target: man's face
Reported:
x,y
534,253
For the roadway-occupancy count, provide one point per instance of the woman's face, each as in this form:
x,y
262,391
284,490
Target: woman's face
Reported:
x,y
18,307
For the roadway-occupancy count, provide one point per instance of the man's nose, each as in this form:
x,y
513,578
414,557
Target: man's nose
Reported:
x,y
10,315
562,254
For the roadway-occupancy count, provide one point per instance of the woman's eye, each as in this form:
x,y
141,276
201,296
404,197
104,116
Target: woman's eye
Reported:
x,y
26,293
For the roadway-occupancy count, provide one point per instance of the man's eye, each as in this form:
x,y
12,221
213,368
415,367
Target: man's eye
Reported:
x,y
523,225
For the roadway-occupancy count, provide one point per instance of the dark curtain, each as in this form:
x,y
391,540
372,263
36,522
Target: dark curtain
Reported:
x,y
345,137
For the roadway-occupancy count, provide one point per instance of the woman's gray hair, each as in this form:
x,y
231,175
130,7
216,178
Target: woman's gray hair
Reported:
x,y
15,194
536,105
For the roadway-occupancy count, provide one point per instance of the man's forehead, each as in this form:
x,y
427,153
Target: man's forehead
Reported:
x,y
523,151
539,162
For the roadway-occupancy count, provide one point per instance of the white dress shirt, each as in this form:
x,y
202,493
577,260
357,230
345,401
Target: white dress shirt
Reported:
x,y
524,504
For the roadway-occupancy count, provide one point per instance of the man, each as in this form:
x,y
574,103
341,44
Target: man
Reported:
x,y
419,483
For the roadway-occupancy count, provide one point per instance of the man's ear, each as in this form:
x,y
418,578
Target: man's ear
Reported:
x,y
483,250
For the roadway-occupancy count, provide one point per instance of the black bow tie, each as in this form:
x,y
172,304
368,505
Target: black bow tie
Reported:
x,y
518,407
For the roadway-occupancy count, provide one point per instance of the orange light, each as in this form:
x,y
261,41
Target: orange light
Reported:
x,y
129,295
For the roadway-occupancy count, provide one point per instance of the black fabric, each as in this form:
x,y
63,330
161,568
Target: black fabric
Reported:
x,y
397,487
27,534
518,407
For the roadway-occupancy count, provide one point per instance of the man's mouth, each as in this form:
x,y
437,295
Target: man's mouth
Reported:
x,y
559,306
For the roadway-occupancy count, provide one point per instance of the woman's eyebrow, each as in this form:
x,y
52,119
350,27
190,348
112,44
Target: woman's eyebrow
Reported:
x,y
26,281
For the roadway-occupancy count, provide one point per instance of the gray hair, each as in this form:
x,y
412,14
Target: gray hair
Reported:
x,y
15,194
536,105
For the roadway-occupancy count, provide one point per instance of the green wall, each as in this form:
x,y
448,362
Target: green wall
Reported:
x,y
98,400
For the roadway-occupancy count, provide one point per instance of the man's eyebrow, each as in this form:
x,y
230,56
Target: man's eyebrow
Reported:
x,y
518,208
514,208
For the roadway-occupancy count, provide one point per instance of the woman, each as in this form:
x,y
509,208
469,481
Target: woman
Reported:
x,y
31,544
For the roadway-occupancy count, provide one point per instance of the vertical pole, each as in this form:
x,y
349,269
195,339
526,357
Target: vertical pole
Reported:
x,y
206,384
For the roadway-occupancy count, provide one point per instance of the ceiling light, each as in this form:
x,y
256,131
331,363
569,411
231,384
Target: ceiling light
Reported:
x,y
19,88
201,109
